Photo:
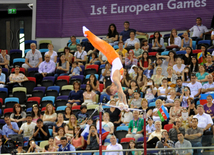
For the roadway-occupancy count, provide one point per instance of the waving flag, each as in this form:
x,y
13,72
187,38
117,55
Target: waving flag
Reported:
x,y
200,58
163,114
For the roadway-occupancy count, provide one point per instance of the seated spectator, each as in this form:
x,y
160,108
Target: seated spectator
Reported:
x,y
175,111
212,38
126,117
145,45
36,114
186,94
163,91
33,58
94,83
179,67
75,97
32,147
114,146
114,114
165,142
68,113
162,64
62,67
89,96
82,114
78,140
130,43
80,56
107,79
204,53
68,55
49,116
58,136
174,40
182,143
194,135
4,59
195,86
178,87
130,59
73,44
209,66
46,68
150,127
76,69
209,107
170,98
133,87
175,130
185,42
94,59
85,125
138,52
158,42
2,77
71,125
158,104
126,78
112,35
41,131
149,90
194,67
140,78
192,111
27,128
135,102
171,77
51,146
18,115
10,128
121,49
149,71
186,75
93,139
102,58
132,145
145,61
59,124
133,72
209,86
52,53
202,75
157,77
87,46
144,106
135,127
104,70
65,146
20,148
188,56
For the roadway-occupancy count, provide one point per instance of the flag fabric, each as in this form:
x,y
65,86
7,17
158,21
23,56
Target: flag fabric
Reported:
x,y
200,58
163,114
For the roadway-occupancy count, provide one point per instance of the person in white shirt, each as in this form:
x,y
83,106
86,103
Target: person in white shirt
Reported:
x,y
127,116
212,38
208,87
80,55
132,40
114,146
179,67
174,40
52,53
195,86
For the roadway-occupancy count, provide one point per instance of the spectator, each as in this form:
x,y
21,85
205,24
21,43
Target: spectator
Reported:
x,y
199,30
144,107
78,140
52,53
149,71
126,78
186,75
82,114
132,145
157,77
173,132
133,87
107,79
186,93
170,98
158,42
114,146
32,147
208,87
121,49
80,55
163,91
68,113
18,115
41,131
33,58
104,70
126,117
137,50
195,87
135,127
10,128
71,125
87,46
165,142
145,61
161,63
192,111
158,104
150,91
179,67
94,60
133,72
178,87
73,44
4,59
60,134
130,43
194,135
75,97
76,69
194,65
68,55
94,83
174,40
93,139
140,78
59,124
20,148
209,108
62,66
112,35
27,128
102,58
49,116
46,68
171,58
209,66
65,146
2,77
3,149
150,127
51,146
86,125
36,114
114,114
186,42
145,45
202,75
135,102
212,38
175,111
171,77
204,54
182,143
188,56
130,59
89,96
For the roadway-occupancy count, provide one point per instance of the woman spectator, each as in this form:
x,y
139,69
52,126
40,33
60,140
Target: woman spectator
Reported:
x,y
185,42
114,114
132,88
131,41
62,67
171,78
126,117
60,133
126,78
80,55
121,49
52,53
68,113
130,59
170,98
194,65
75,97
93,60
51,145
132,145
192,111
158,104
93,139
18,115
158,77
94,83
188,56
112,35
186,93
171,58
68,55
49,116
141,78
175,111
135,102
73,44
20,148
209,107
133,72
145,45
149,90
179,67
71,125
78,140
186,74
89,96
59,124
32,147
209,66
36,114
174,40
158,42
145,61
204,54
137,51
163,91
144,106
201,75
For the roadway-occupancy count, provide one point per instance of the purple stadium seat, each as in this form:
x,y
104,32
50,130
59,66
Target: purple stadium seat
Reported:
x,y
64,97
51,78
41,89
81,77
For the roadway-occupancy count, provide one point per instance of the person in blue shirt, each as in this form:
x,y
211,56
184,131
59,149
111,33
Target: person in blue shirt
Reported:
x,y
65,146
82,114
10,128
2,77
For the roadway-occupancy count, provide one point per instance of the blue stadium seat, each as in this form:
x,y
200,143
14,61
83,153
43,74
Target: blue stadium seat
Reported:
x,y
181,52
126,128
50,98
50,132
152,104
194,45
165,53
61,108
12,99
16,60
57,88
87,76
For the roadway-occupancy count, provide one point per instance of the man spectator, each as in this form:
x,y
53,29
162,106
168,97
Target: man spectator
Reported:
x,y
195,86
175,130
65,146
178,88
41,131
9,128
2,149
163,64
4,59
199,30
194,135
27,128
46,68
125,34
204,122
114,146
2,77
182,143
33,58
212,38
165,142
87,46
135,127
208,87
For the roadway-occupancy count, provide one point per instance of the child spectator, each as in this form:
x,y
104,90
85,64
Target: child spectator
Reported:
x,y
89,95
82,115
145,45
150,127
127,116
76,69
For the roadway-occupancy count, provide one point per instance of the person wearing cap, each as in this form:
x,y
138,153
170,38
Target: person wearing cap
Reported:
x,y
130,59
27,128
133,72
9,128
41,131
65,146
